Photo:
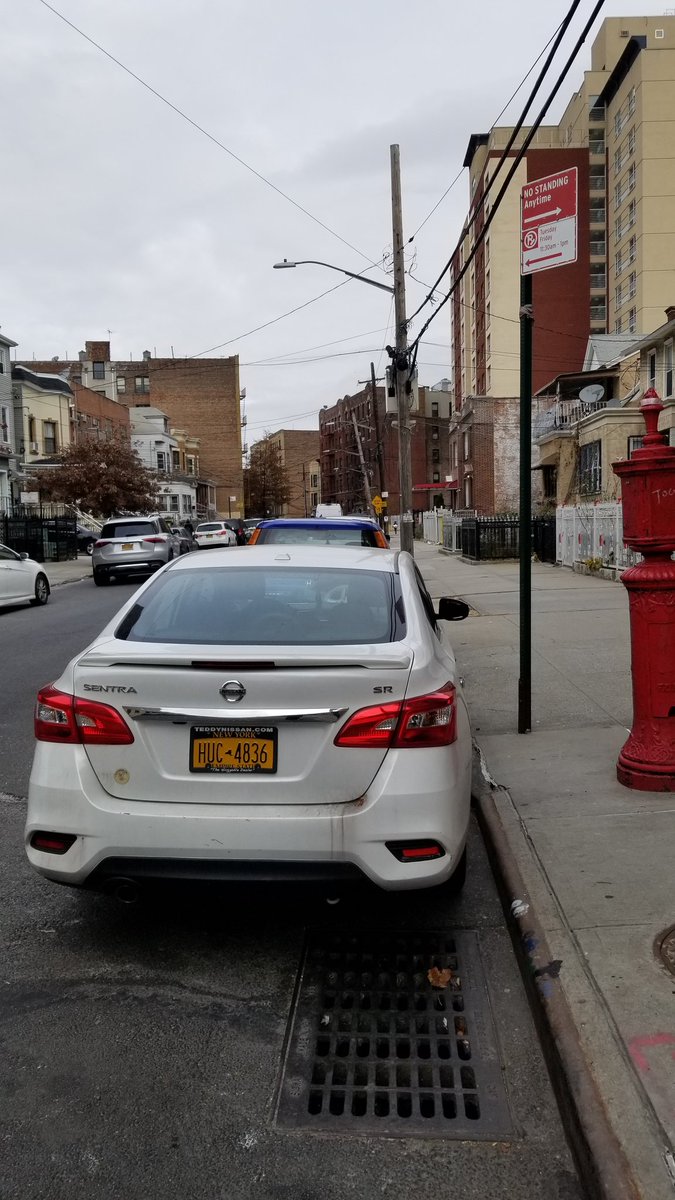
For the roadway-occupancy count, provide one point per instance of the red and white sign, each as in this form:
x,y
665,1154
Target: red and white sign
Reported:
x,y
548,222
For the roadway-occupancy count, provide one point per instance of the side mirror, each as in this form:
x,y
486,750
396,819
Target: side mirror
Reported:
x,y
23,555
450,609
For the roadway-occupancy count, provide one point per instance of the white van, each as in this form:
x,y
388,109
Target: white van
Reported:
x,y
328,510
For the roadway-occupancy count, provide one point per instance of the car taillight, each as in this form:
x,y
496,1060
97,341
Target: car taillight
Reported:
x,y
158,538
60,717
421,721
100,543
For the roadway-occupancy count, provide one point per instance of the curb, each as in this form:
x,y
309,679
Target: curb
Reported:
x,y
600,1159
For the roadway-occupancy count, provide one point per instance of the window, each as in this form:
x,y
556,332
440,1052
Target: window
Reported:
x,y
618,123
173,503
618,296
142,384
549,478
596,141
31,430
249,606
175,459
313,499
49,437
190,464
597,211
632,171
597,243
632,320
632,249
4,423
618,262
617,325
618,160
99,370
434,408
632,285
121,385
631,102
651,369
597,275
618,194
632,213
597,178
161,460
466,446
668,369
434,433
634,443
435,455
590,469
631,142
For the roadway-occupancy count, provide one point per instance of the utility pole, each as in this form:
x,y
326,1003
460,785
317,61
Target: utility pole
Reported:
x,y
400,360
366,481
378,433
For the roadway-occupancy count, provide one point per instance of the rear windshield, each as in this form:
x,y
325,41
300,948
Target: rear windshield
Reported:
x,y
268,606
209,526
317,536
127,529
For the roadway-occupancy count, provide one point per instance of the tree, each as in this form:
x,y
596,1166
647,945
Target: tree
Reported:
x,y
103,477
266,481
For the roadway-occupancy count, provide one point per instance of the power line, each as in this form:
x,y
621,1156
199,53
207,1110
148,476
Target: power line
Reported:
x,y
516,162
200,129
497,118
476,208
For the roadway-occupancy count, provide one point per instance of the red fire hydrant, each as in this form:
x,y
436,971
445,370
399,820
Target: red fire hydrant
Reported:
x,y
647,761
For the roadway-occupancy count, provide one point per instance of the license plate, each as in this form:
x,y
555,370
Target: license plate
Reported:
x,y
127,545
209,536
233,750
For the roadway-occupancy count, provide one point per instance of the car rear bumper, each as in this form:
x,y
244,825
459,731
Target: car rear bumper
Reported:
x,y
403,803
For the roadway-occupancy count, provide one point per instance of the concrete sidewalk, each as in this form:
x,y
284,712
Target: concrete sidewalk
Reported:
x,y
68,572
596,858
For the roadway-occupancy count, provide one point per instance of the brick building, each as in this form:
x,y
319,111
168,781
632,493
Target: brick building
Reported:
x,y
485,454
299,456
200,396
342,479
96,417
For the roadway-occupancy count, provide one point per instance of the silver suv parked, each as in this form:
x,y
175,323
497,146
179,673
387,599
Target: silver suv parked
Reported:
x,y
133,545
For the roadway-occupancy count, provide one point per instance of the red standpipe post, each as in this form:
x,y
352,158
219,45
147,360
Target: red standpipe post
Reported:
x,y
647,761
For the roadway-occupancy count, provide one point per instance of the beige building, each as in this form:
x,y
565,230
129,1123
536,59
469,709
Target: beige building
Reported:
x,y
44,414
619,130
299,456
585,421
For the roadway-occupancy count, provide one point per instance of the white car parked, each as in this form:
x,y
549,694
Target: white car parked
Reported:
x,y
299,712
21,579
213,534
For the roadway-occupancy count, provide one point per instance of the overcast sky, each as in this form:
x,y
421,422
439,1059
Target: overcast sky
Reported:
x,y
118,215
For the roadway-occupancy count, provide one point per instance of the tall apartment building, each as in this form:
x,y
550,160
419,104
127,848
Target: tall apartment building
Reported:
x,y
299,456
199,395
342,480
619,130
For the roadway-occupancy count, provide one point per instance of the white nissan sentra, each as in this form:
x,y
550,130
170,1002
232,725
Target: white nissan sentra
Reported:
x,y
272,712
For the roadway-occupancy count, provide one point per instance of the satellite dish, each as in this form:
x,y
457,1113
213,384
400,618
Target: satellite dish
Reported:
x,y
592,394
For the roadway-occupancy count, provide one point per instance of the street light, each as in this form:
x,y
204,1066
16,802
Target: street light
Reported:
x,y
281,266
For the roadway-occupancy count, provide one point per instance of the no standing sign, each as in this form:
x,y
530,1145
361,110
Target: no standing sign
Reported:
x,y
548,222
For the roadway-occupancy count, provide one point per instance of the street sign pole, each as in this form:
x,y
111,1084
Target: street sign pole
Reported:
x,y
548,238
525,514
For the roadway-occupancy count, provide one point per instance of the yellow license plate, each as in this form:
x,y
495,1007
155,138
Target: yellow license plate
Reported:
x,y
127,545
233,750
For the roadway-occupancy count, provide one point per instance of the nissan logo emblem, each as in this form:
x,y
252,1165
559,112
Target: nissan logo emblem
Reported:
x,y
233,691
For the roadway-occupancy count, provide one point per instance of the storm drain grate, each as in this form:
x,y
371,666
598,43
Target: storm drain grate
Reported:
x,y
373,1046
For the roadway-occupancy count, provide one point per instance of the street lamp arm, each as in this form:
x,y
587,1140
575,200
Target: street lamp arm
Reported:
x,y
315,262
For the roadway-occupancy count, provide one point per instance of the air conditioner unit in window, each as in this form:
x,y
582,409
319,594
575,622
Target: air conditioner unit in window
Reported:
x,y
34,448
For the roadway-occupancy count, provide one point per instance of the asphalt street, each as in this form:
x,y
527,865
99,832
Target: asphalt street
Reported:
x,y
142,1045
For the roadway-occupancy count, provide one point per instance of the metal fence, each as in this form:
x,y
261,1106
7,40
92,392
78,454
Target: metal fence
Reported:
x,y
588,533
46,534
485,538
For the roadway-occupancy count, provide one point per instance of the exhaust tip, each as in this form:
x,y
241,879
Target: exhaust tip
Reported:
x,y
126,891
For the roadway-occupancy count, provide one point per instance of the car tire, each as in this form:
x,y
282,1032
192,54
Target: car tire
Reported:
x,y
89,548
457,880
41,590
101,578
170,557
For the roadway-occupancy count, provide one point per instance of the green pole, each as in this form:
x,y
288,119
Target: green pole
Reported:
x,y
525,522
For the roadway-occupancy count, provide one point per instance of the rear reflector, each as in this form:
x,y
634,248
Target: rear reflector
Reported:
x,y
52,843
421,721
60,717
419,851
